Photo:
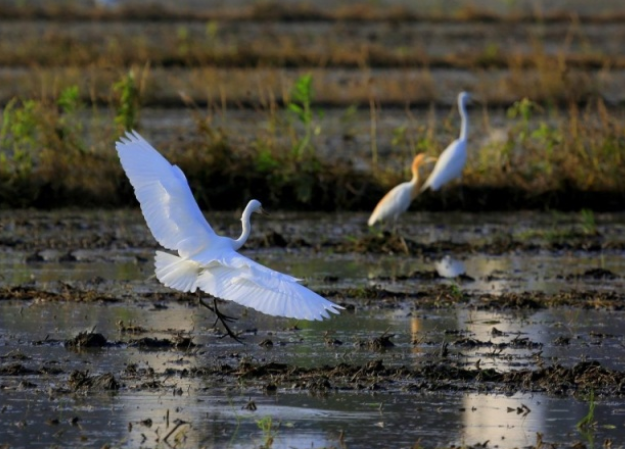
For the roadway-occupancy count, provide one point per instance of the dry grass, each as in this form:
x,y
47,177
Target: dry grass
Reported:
x,y
298,11
59,47
561,140
251,87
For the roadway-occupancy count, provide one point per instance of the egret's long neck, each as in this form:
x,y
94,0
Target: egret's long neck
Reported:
x,y
415,175
415,182
464,127
247,227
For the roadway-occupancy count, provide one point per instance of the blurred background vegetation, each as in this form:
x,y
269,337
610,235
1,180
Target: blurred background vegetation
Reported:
x,y
314,105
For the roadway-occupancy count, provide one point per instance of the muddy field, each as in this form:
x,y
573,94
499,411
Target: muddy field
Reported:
x,y
94,351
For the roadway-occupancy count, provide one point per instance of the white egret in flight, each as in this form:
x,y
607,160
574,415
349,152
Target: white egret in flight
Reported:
x,y
398,199
452,160
205,260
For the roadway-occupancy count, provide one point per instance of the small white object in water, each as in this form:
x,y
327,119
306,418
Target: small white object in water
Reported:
x,y
449,267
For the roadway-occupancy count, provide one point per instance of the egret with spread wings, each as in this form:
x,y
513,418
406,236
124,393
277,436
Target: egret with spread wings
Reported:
x,y
205,260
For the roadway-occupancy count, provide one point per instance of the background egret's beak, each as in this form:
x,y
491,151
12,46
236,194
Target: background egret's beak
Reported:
x,y
430,159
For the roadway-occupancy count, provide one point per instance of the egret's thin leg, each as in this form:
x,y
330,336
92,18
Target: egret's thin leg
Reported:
x,y
461,193
404,245
394,227
223,319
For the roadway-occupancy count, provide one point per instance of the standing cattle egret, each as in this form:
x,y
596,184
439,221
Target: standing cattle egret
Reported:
x,y
205,260
451,162
398,199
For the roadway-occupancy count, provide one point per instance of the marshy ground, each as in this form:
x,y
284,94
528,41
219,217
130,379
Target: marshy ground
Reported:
x,y
316,107
113,357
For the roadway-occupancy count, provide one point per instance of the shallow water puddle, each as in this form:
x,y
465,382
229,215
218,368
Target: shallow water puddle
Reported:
x,y
544,272
217,419
220,414
502,340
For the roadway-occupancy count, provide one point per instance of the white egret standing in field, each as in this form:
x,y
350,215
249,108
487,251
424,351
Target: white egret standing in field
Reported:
x,y
398,199
205,260
452,160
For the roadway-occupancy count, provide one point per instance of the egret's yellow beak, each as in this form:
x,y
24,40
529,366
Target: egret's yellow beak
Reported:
x,y
430,159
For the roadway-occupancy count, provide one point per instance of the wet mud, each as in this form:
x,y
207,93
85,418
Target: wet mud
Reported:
x,y
451,359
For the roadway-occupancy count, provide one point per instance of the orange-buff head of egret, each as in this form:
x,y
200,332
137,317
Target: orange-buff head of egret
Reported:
x,y
419,160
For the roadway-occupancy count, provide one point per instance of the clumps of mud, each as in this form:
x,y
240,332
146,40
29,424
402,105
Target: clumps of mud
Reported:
x,y
59,291
363,298
439,370
47,238
178,342
376,343
590,299
592,274
516,343
86,340
555,380
19,369
83,381
392,243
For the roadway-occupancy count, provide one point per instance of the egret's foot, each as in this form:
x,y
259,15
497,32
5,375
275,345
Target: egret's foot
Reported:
x,y
224,319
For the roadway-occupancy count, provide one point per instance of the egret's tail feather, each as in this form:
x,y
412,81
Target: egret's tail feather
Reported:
x,y
176,272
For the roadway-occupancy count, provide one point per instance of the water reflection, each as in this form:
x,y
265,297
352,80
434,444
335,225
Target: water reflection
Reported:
x,y
218,416
492,274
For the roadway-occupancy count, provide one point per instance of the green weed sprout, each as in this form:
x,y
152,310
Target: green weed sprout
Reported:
x,y
70,128
300,104
523,109
588,421
266,425
18,136
589,225
127,107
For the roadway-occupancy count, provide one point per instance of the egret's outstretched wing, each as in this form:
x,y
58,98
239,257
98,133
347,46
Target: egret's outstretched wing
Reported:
x,y
166,200
448,166
237,278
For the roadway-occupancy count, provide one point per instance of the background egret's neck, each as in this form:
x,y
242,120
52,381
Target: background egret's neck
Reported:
x,y
464,127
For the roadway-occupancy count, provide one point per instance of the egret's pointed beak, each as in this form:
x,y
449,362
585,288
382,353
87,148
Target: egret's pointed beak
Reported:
x,y
262,211
430,159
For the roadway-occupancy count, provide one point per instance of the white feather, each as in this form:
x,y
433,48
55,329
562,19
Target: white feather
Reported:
x,y
165,197
175,272
449,165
